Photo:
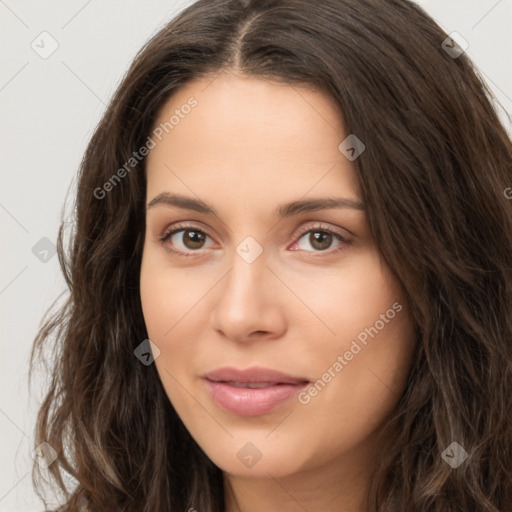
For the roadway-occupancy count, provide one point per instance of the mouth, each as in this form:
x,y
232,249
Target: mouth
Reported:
x,y
251,385
252,392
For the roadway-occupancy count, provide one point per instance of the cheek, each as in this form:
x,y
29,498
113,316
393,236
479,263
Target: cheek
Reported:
x,y
361,367
163,306
168,294
174,312
358,391
341,300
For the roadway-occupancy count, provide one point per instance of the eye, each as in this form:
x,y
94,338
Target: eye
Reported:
x,y
186,238
321,238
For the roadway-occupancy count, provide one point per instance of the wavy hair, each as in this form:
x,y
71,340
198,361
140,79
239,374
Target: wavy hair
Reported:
x,y
433,175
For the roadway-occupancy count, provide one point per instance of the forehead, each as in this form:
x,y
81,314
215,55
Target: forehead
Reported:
x,y
250,141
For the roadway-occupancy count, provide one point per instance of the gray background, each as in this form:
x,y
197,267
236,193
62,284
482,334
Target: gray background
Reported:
x,y
48,110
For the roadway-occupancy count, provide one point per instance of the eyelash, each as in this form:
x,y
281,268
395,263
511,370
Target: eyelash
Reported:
x,y
302,231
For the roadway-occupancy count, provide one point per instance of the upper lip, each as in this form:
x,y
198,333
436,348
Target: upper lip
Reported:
x,y
253,375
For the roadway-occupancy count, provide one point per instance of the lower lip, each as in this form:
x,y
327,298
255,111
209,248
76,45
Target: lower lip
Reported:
x,y
249,401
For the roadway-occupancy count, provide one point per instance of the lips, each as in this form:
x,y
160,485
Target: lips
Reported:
x,y
251,385
253,391
255,375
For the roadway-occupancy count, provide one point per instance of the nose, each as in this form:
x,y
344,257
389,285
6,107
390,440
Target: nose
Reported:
x,y
249,304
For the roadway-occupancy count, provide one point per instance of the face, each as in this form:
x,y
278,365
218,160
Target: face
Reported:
x,y
285,340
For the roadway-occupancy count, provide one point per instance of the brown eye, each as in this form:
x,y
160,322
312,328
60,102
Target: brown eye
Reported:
x,y
320,240
193,239
185,240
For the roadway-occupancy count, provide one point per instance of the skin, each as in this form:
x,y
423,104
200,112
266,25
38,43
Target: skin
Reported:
x,y
249,146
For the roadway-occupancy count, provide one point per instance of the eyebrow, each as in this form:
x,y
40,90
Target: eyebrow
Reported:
x,y
284,210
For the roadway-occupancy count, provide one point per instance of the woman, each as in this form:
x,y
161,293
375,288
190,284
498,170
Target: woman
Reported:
x,y
290,275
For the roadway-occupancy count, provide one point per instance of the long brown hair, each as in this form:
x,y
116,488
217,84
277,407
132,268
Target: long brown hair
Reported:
x,y
433,175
